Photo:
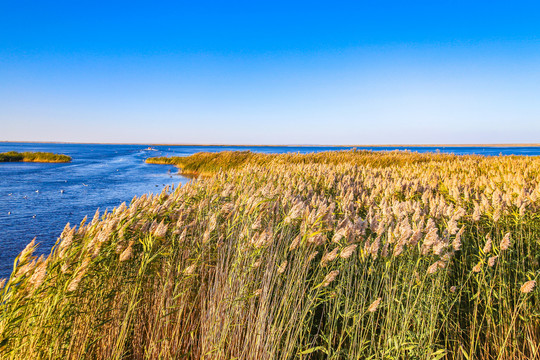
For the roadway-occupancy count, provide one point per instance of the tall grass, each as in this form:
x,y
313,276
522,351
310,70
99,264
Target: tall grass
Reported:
x,y
13,156
334,256
208,163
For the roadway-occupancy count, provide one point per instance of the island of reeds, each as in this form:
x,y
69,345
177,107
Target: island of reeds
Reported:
x,y
335,255
45,157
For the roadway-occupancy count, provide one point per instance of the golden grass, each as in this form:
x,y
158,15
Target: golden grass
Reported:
x,y
45,157
208,163
340,255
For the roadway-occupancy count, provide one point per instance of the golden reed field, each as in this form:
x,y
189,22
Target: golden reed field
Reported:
x,y
46,157
336,255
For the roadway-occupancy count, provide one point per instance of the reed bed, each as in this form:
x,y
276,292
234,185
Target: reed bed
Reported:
x,y
208,163
344,255
14,156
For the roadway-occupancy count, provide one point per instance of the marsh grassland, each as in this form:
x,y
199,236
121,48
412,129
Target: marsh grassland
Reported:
x,y
14,156
336,255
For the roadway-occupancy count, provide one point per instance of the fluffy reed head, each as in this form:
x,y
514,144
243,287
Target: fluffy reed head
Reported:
x,y
527,287
127,253
348,251
505,242
328,279
374,305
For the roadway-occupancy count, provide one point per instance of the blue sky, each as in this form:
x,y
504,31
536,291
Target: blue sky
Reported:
x,y
279,72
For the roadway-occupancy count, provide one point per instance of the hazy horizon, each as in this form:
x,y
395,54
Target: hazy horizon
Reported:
x,y
270,73
275,145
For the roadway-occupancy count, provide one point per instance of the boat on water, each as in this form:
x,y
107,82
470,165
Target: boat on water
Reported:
x,y
150,149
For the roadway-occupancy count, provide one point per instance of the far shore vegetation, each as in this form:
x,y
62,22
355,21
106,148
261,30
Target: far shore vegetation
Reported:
x,y
208,163
14,156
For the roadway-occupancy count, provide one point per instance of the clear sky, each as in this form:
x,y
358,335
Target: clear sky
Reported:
x,y
275,72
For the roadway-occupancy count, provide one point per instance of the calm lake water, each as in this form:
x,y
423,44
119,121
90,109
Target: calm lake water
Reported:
x,y
37,200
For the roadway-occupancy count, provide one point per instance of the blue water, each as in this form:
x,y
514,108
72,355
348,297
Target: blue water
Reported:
x,y
104,176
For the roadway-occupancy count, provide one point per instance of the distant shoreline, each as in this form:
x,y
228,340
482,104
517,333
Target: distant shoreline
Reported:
x,y
283,145
36,157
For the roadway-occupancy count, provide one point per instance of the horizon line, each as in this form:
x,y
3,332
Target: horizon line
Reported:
x,y
276,145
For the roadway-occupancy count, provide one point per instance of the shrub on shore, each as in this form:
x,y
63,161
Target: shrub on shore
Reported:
x,y
335,256
13,156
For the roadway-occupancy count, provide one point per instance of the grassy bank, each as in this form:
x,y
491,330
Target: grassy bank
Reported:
x,y
13,156
345,255
208,163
